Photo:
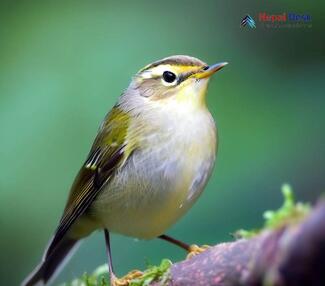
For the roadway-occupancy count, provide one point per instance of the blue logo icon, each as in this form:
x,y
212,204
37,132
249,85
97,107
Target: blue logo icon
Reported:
x,y
248,21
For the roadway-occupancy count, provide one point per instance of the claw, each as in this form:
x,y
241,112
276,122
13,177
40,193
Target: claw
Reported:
x,y
125,280
195,250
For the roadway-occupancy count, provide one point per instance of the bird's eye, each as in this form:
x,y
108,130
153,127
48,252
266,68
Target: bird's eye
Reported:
x,y
169,76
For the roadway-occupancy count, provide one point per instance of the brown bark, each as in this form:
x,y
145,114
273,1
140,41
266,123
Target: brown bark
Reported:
x,y
289,256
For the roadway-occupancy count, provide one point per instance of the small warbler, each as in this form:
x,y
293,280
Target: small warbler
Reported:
x,y
150,161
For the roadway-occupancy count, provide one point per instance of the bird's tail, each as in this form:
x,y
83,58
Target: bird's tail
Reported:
x,y
51,263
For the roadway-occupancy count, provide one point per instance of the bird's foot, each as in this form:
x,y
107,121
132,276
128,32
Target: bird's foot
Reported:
x,y
195,250
125,280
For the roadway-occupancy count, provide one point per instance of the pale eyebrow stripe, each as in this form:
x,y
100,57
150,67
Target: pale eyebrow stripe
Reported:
x,y
175,62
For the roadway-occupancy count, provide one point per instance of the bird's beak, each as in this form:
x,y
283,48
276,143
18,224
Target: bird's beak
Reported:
x,y
209,70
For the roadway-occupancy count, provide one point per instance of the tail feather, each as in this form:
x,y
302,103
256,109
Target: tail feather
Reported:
x,y
51,263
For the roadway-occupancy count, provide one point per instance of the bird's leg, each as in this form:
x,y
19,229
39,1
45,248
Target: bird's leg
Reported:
x,y
192,249
177,242
124,281
109,256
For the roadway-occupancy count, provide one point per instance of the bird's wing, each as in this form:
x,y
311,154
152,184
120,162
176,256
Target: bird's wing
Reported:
x,y
109,152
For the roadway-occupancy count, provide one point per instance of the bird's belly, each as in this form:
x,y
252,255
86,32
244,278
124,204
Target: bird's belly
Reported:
x,y
151,192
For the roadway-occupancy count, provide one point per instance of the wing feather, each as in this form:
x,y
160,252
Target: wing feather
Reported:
x,y
106,155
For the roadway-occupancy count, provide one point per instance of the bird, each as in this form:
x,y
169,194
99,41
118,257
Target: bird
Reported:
x,y
150,161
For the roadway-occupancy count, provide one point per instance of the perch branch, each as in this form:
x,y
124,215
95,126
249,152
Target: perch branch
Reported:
x,y
293,254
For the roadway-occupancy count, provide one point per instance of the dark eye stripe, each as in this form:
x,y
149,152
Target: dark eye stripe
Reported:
x,y
180,78
184,76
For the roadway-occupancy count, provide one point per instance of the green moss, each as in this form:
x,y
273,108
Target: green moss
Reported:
x,y
290,212
100,276
153,273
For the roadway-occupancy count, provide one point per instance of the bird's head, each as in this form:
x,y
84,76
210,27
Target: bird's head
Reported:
x,y
180,80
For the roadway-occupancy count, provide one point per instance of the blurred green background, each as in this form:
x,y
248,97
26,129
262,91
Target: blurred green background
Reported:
x,y
62,67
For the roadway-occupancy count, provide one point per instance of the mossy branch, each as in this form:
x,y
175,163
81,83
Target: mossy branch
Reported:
x,y
289,250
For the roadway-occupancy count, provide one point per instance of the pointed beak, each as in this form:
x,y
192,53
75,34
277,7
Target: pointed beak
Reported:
x,y
209,70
